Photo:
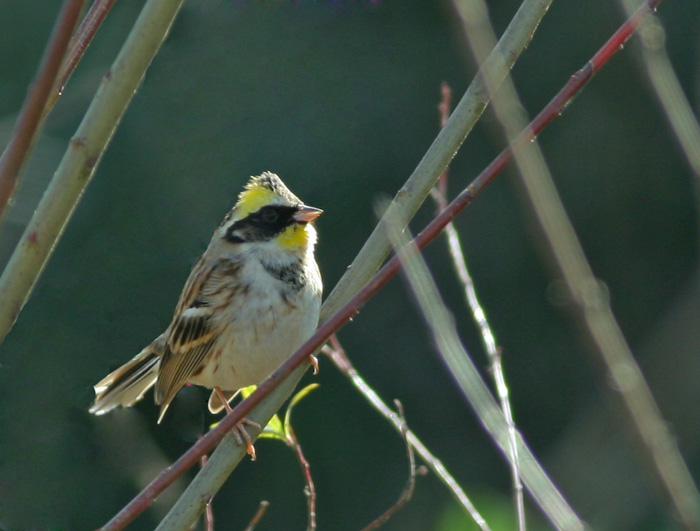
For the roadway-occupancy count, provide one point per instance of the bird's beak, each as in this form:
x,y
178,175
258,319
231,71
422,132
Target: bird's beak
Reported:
x,y
306,214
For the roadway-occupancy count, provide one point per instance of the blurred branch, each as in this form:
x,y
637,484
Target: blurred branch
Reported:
x,y
334,313
677,109
479,315
444,331
30,118
78,45
82,157
342,362
408,199
584,287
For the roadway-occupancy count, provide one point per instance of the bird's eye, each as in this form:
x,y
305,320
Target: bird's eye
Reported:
x,y
269,215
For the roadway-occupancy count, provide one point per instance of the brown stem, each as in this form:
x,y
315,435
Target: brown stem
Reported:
x,y
310,490
552,111
78,45
258,515
337,354
30,118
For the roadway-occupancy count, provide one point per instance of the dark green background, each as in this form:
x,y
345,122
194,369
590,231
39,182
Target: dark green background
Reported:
x,y
340,99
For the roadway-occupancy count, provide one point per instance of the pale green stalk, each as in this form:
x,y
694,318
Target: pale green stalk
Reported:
x,y
82,158
223,461
413,193
433,463
407,201
489,340
442,325
664,80
587,291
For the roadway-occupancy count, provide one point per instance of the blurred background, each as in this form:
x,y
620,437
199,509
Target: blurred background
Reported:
x,y
340,98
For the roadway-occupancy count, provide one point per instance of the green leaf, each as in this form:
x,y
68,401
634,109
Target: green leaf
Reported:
x,y
274,429
293,402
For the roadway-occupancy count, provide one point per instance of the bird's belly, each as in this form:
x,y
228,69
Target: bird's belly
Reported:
x,y
254,344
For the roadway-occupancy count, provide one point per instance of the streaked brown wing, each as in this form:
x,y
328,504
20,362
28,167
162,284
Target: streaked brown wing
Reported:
x,y
190,336
193,289
189,343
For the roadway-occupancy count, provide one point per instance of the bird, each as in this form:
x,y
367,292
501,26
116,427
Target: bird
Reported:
x,y
251,300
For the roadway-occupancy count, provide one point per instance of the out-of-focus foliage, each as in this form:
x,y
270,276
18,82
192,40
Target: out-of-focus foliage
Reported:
x,y
340,99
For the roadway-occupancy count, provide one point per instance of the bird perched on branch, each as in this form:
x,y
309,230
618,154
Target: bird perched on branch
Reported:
x,y
250,302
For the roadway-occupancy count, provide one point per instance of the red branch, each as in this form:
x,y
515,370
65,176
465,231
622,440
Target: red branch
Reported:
x,y
554,109
31,115
79,44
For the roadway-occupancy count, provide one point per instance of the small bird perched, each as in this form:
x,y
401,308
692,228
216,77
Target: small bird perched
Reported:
x,y
250,302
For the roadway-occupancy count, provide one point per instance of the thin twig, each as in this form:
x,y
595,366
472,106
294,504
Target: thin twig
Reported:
x,y
310,489
209,517
30,118
337,354
340,308
487,336
258,515
209,511
78,45
414,191
465,373
444,110
407,491
590,297
82,157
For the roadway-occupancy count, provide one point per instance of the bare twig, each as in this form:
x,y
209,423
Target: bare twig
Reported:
x,y
470,382
82,158
340,307
209,511
487,336
589,295
414,191
29,120
337,354
258,515
407,491
310,490
78,45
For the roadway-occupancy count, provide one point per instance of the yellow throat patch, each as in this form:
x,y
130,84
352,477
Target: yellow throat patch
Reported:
x,y
293,237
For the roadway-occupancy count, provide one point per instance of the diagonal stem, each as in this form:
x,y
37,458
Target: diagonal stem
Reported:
x,y
589,295
341,306
80,161
30,118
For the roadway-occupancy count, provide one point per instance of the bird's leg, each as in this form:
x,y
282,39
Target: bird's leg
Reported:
x,y
239,431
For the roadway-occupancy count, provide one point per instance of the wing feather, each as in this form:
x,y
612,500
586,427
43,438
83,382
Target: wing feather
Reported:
x,y
191,336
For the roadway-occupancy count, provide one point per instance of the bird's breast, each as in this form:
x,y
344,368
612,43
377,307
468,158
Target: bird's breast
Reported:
x,y
261,326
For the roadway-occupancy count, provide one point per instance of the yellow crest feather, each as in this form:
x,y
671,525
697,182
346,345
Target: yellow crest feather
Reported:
x,y
253,198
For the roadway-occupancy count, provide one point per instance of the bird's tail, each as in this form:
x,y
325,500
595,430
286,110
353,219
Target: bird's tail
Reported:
x,y
128,383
